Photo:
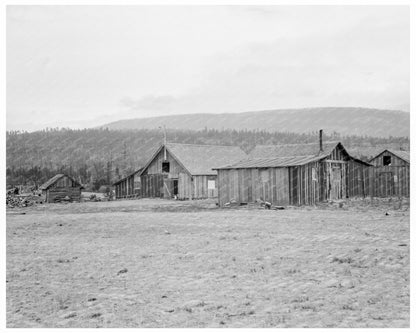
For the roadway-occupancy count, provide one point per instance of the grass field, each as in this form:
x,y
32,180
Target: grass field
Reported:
x,y
159,263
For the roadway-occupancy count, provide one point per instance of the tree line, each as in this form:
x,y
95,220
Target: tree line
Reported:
x,y
101,156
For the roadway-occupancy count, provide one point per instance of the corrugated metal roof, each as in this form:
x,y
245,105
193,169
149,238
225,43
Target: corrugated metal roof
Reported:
x,y
54,179
301,149
273,162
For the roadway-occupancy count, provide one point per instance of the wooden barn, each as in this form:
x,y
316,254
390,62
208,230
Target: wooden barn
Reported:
x,y
295,174
60,187
129,186
391,173
185,171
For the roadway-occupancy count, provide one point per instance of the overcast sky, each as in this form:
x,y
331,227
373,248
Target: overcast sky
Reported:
x,y
83,66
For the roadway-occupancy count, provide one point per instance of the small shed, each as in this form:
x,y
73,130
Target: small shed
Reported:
x,y
391,173
295,174
61,187
129,186
185,171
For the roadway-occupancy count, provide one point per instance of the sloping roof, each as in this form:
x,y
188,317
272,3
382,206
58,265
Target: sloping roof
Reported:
x,y
402,154
54,179
299,149
201,159
128,176
274,162
287,155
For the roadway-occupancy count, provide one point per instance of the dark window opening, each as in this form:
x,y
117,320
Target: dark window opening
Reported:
x,y
386,160
165,167
175,187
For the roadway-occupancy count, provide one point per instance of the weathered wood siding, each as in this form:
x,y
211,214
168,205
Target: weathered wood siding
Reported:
x,y
64,187
129,187
328,179
359,179
250,185
155,167
391,180
189,187
152,186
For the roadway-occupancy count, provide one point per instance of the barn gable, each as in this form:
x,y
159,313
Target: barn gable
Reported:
x,y
400,154
194,159
60,178
185,170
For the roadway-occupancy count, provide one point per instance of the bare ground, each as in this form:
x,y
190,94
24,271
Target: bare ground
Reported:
x,y
159,263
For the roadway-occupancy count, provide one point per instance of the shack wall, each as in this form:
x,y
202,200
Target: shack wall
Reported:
x,y
63,187
251,185
390,180
332,178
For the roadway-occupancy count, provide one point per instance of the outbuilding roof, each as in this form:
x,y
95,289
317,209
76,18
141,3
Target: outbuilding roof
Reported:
x,y
298,149
201,159
54,179
288,155
402,154
128,176
274,162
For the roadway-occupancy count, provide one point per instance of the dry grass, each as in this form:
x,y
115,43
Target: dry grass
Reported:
x,y
155,263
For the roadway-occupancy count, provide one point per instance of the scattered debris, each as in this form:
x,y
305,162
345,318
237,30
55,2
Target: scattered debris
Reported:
x,y
61,261
71,315
94,198
347,260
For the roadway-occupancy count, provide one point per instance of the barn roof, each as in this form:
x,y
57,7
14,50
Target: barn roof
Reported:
x,y
298,149
201,159
54,179
128,176
288,155
274,162
402,154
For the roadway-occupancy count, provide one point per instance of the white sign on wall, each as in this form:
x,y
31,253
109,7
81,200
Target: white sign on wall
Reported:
x,y
211,184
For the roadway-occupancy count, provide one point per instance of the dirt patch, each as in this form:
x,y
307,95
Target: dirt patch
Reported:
x,y
126,264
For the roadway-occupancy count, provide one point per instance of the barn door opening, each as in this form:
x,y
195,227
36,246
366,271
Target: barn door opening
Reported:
x,y
175,187
336,181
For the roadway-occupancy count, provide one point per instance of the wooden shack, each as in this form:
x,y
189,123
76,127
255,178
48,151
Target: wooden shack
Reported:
x,y
129,186
295,174
391,173
61,187
184,171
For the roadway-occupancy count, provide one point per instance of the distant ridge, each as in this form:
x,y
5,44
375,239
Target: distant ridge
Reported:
x,y
343,120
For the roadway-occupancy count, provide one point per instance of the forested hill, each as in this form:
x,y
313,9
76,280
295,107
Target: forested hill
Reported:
x,y
101,156
346,121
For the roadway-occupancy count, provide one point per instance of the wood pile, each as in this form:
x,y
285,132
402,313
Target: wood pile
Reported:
x,y
22,201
